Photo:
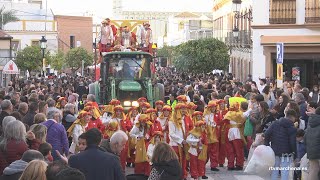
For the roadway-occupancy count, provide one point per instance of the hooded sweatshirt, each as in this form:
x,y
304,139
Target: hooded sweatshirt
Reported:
x,y
169,170
312,137
15,167
282,136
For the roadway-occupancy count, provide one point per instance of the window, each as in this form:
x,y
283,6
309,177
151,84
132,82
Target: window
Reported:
x,y
35,43
282,12
15,45
312,11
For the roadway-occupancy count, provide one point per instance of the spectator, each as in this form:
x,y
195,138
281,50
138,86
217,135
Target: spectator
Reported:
x,y
71,174
43,107
29,117
165,164
23,109
16,115
39,118
68,116
265,118
312,142
56,135
299,98
51,106
172,101
40,133
36,170
315,94
45,149
7,109
94,163
13,144
278,110
55,168
6,121
197,101
282,136
15,169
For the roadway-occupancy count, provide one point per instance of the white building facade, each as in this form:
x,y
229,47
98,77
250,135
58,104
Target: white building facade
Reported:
x,y
224,23
296,23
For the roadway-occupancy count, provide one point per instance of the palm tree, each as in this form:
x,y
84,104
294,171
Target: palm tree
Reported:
x,y
7,17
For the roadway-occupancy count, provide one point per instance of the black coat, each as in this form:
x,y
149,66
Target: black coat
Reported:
x,y
169,170
282,135
15,176
29,118
97,165
312,137
3,114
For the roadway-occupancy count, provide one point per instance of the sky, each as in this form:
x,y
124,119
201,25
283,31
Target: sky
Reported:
x,y
103,8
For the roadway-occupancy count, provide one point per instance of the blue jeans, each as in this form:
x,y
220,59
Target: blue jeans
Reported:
x,y
281,164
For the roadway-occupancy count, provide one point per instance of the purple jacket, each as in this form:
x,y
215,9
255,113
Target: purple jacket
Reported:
x,y
57,136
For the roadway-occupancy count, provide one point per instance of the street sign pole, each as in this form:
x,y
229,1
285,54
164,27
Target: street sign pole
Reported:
x,y
280,52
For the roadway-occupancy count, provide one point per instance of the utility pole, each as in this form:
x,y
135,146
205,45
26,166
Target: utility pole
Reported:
x,y
95,58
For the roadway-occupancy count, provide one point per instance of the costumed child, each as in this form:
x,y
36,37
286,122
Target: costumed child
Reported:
x,y
141,132
78,128
198,142
224,128
235,151
142,100
164,119
95,121
131,115
182,99
157,137
108,110
156,125
197,116
109,130
192,108
159,107
179,128
212,120
61,102
144,106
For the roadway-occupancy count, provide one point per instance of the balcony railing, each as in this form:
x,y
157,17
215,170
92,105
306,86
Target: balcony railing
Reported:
x,y
199,34
312,11
282,12
242,41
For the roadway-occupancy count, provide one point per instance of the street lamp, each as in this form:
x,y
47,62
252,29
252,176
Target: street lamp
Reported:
x,y
43,45
235,32
236,5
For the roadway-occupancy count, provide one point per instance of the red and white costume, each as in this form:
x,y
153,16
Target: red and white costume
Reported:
x,y
212,120
164,121
198,142
179,129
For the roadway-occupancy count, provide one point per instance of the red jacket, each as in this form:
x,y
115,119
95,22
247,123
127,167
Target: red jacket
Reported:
x,y
14,151
125,125
156,126
97,123
188,124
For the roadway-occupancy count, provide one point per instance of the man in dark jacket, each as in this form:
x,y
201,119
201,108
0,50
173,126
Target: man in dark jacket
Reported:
x,y
282,136
7,109
15,169
95,163
29,117
312,141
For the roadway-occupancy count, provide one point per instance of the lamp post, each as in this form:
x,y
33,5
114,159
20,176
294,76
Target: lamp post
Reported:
x,y
43,45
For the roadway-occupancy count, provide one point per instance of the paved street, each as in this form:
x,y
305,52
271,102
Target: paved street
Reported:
x,y
223,174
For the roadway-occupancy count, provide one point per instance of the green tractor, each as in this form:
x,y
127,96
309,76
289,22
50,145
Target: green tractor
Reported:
x,y
126,76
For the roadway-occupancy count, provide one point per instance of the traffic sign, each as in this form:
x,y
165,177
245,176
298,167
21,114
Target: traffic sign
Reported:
x,y
280,53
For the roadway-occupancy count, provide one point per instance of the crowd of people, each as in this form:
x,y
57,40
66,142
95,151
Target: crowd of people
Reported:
x,y
54,129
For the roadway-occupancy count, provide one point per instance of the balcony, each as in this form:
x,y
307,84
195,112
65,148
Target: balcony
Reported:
x,y
199,34
282,12
312,11
242,41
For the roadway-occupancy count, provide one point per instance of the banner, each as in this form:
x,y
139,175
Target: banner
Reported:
x,y
296,73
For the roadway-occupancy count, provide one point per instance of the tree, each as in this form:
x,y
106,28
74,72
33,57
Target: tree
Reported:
x,y
57,60
7,17
201,56
75,56
165,51
30,58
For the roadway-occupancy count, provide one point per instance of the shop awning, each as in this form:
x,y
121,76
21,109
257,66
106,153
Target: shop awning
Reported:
x,y
291,40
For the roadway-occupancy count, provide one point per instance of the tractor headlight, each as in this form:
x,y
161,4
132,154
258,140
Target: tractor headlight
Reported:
x,y
135,104
127,103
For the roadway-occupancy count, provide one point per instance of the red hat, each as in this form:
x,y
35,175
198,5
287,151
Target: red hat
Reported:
x,y
151,110
62,99
159,102
192,106
212,104
145,104
89,104
142,99
114,102
118,108
132,108
83,114
143,118
196,113
88,108
182,98
180,106
220,101
167,108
